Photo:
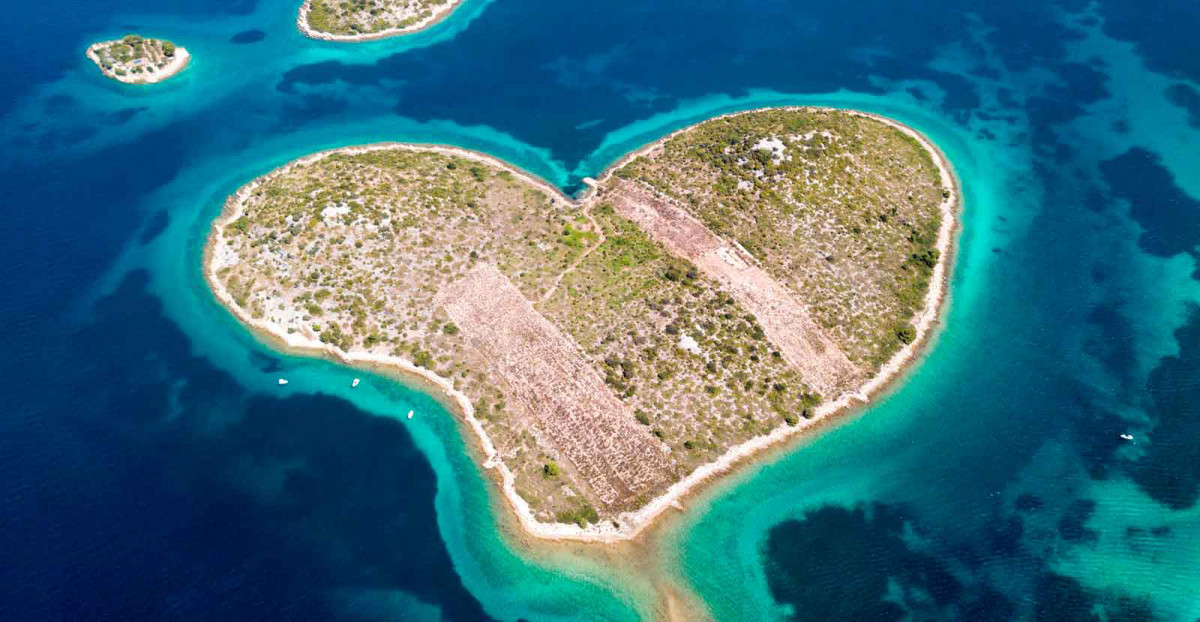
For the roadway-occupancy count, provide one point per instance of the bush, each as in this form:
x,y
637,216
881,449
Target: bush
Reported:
x,y
550,469
582,516
450,328
927,258
906,333
422,358
334,336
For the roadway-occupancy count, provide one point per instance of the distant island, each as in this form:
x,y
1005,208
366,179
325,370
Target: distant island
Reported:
x,y
134,59
712,294
364,20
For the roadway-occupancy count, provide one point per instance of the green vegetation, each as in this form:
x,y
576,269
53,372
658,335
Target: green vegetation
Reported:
x,y
841,208
134,56
629,303
364,17
582,515
369,240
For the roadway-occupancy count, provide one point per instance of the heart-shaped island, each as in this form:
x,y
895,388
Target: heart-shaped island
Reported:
x,y
719,290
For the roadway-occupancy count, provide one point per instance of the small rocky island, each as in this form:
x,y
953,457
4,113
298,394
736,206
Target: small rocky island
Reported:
x,y
719,290
134,59
363,20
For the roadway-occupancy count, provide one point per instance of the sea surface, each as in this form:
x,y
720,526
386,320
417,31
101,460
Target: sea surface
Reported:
x,y
151,467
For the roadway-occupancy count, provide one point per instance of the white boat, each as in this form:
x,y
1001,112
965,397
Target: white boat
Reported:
x,y
410,414
282,381
1128,437
354,384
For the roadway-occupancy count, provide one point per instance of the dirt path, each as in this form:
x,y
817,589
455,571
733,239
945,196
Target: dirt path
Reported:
x,y
587,213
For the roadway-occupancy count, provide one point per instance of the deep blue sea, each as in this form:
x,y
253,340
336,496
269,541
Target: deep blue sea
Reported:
x,y
151,468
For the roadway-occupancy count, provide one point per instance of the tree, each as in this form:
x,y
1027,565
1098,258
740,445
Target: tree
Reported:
x,y
550,469
168,48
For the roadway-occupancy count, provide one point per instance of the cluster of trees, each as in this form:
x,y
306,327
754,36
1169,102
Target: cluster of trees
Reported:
x,y
422,358
620,375
581,516
332,334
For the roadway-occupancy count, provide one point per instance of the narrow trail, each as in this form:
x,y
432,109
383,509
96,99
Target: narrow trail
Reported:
x,y
578,260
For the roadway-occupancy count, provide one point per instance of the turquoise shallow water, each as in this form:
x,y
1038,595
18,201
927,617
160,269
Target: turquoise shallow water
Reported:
x,y
151,467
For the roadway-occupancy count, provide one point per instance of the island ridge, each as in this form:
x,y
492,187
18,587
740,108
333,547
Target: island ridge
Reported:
x,y
717,291
134,59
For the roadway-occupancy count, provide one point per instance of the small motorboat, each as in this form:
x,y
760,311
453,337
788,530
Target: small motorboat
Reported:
x,y
1128,437
282,381
354,384
410,413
